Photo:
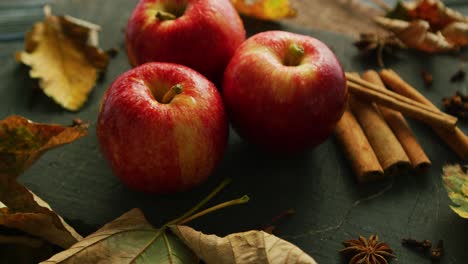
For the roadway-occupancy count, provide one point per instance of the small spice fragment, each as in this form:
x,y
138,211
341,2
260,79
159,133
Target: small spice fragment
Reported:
x,y
427,78
372,43
437,252
456,105
458,76
416,244
367,251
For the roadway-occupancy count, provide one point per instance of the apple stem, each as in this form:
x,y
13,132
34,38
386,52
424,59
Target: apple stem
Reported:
x,y
202,203
163,15
173,91
294,55
242,200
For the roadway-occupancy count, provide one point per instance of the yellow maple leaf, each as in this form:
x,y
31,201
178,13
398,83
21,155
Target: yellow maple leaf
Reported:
x,y
265,9
62,53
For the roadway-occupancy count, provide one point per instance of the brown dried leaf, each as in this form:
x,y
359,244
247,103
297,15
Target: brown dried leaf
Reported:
x,y
265,9
28,213
416,34
434,12
348,17
22,142
63,54
248,247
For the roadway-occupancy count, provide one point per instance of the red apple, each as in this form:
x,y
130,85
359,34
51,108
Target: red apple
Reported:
x,y
200,34
284,91
162,127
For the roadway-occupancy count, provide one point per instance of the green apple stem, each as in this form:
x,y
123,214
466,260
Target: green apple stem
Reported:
x,y
294,55
173,91
241,200
202,203
163,15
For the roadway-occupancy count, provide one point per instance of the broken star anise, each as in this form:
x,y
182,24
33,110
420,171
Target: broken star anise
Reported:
x,y
367,251
372,43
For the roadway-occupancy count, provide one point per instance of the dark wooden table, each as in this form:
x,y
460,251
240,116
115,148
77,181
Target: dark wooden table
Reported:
x,y
330,206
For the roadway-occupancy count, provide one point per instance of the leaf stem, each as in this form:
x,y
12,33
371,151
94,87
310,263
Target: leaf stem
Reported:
x,y
201,203
241,200
163,15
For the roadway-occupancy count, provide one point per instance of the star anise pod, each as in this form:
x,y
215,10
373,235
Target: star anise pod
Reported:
x,y
373,43
367,251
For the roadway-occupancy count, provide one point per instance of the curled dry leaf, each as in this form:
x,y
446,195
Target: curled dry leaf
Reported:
x,y
434,12
455,179
248,247
128,239
416,34
22,142
265,9
28,213
63,54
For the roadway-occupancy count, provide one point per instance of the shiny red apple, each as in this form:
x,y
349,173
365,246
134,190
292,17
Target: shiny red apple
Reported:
x,y
283,91
200,34
162,127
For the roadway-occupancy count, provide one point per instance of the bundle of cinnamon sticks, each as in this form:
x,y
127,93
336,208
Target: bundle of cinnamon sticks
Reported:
x,y
374,133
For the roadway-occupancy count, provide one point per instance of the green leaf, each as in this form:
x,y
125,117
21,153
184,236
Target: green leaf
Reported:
x,y
455,179
22,142
400,11
128,239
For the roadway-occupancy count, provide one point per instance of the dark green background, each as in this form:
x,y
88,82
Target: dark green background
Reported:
x,y
331,206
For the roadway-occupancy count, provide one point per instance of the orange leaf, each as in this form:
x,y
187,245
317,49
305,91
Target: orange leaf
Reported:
x,y
22,142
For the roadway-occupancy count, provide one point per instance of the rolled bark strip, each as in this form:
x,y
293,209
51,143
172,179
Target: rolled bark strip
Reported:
x,y
407,106
357,149
391,155
401,129
455,139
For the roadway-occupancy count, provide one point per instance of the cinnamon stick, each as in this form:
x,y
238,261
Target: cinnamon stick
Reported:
x,y
387,148
400,128
410,107
357,149
455,139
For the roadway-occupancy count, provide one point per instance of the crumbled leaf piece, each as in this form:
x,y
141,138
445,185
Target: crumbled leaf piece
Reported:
x,y
427,78
364,250
129,238
22,142
26,212
417,35
455,179
247,247
63,54
265,9
373,44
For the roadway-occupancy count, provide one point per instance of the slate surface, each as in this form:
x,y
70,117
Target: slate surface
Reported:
x,y
319,184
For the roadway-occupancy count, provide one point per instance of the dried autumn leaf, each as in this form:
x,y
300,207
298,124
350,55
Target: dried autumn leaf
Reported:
x,y
63,54
416,35
455,179
22,142
434,12
128,239
28,213
265,9
248,247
